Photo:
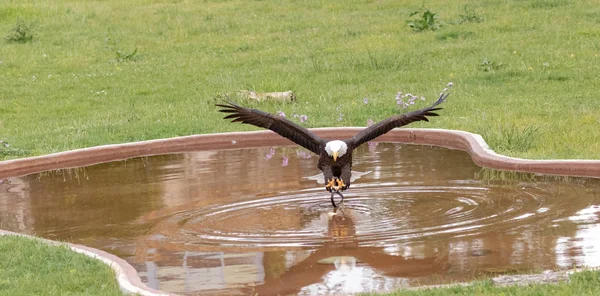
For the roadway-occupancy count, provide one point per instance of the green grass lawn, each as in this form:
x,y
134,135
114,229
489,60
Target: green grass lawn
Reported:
x,y
528,66
84,73
29,267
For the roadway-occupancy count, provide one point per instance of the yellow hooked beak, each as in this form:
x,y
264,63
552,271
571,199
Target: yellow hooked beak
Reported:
x,y
335,156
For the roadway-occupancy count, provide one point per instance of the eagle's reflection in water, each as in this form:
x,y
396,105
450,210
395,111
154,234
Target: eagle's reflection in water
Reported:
x,y
341,254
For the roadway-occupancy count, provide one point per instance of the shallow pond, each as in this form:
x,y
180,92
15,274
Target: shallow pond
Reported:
x,y
248,220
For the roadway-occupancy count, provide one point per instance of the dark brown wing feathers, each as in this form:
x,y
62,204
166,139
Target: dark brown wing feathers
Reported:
x,y
280,125
395,121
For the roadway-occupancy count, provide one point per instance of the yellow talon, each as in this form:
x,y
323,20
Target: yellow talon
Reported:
x,y
340,184
330,184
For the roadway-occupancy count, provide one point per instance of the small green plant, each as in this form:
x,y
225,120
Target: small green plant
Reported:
x,y
469,16
315,62
120,54
7,151
558,77
352,33
20,33
426,21
449,35
372,60
243,48
133,114
123,56
488,65
511,138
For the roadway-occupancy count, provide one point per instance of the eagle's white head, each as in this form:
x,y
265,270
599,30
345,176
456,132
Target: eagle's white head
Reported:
x,y
336,148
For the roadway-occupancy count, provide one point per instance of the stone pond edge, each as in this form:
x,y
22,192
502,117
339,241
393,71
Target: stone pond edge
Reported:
x,y
471,143
127,276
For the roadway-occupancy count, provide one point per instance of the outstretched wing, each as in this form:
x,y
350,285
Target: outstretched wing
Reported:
x,y
278,124
395,121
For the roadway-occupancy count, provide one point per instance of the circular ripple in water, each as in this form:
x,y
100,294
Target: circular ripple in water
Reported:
x,y
372,215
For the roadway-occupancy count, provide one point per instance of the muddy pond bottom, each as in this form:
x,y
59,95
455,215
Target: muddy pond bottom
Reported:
x,y
236,222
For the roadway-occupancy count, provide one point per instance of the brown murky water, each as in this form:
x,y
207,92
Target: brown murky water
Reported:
x,y
241,221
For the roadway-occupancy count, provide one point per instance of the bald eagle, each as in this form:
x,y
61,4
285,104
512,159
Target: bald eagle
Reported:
x,y
335,157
